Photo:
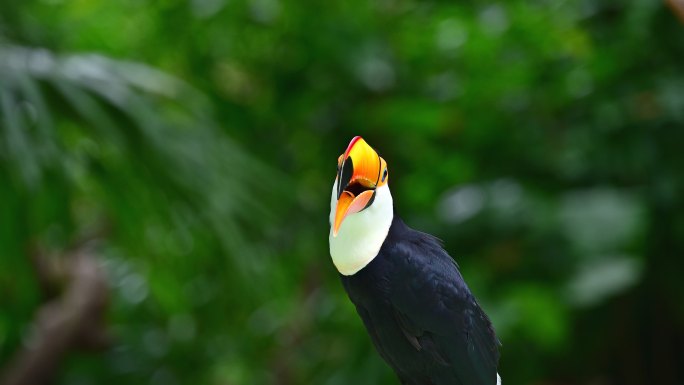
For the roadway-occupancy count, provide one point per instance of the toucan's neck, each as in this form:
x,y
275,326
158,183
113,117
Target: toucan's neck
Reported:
x,y
361,235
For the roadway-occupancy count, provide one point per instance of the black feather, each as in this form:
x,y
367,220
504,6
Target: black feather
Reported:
x,y
420,314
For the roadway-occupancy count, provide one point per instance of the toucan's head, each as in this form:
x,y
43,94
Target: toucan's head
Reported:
x,y
360,206
360,172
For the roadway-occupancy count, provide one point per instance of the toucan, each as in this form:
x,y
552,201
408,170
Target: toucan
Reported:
x,y
419,312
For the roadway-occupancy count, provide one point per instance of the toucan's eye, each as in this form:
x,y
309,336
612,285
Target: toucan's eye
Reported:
x,y
384,175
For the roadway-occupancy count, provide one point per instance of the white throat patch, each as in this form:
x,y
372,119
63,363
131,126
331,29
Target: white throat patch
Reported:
x,y
361,234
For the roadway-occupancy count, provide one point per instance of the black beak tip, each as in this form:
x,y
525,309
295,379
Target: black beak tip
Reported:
x,y
344,176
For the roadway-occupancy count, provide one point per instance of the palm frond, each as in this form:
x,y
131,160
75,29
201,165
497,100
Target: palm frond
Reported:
x,y
144,124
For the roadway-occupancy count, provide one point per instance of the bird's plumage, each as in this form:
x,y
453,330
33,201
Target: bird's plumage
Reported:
x,y
418,310
420,314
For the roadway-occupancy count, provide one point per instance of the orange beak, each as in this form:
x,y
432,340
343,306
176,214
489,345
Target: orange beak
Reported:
x,y
357,178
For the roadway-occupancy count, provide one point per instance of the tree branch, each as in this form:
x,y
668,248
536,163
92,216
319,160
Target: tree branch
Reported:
x,y
72,320
677,7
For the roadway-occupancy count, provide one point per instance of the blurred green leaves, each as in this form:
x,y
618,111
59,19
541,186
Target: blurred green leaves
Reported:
x,y
104,145
541,140
125,128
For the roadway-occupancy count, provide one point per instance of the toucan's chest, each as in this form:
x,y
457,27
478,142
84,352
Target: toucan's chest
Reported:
x,y
376,283
370,286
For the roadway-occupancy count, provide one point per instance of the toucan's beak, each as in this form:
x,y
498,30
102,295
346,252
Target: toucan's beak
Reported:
x,y
357,178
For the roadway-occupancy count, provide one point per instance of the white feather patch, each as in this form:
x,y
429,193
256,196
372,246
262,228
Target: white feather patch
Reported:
x,y
361,234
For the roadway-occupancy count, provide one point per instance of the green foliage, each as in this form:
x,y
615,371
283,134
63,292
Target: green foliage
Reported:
x,y
541,140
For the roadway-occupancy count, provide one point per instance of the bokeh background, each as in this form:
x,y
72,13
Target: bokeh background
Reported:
x,y
187,149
